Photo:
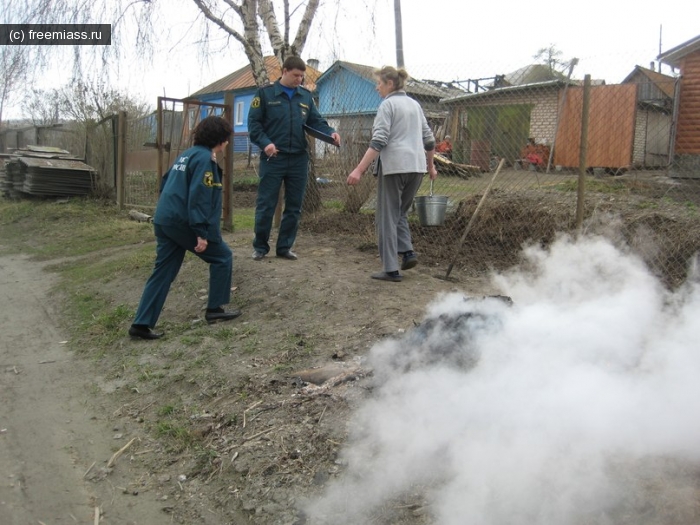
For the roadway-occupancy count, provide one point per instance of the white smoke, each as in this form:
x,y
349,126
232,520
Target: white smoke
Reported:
x,y
563,408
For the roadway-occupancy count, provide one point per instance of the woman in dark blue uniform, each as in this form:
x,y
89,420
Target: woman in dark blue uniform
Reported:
x,y
276,118
188,218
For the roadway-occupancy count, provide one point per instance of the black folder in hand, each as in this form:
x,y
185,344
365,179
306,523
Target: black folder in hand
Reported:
x,y
319,135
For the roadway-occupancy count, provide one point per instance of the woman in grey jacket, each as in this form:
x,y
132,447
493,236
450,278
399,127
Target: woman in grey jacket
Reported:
x,y
401,142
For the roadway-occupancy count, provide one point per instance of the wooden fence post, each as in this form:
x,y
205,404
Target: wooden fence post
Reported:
x,y
228,167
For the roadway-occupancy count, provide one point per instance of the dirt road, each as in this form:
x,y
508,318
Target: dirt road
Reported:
x,y
54,441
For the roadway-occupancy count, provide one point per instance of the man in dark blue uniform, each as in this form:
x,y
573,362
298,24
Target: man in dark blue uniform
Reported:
x,y
277,115
187,218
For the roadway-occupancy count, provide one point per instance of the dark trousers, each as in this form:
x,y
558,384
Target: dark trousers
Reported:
x,y
292,171
172,244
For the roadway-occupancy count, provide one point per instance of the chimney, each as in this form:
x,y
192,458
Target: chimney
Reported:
x,y
313,62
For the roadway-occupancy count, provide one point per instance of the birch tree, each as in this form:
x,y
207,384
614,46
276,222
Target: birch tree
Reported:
x,y
245,20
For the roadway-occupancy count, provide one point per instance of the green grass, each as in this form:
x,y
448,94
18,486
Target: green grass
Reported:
x,y
179,436
192,339
245,182
691,207
243,219
334,204
591,184
99,268
77,227
166,410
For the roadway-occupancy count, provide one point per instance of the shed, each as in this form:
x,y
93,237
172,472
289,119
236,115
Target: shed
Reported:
x,y
685,159
652,136
626,121
501,121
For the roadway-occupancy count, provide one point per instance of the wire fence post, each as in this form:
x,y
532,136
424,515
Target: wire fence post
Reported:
x,y
583,152
121,158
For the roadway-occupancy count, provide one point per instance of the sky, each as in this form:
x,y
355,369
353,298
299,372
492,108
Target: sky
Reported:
x,y
573,405
442,40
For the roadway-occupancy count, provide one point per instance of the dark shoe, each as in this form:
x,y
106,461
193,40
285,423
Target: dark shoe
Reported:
x,y
394,277
288,255
143,332
258,256
219,314
410,259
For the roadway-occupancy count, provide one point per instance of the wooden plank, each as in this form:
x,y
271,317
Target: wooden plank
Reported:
x,y
611,127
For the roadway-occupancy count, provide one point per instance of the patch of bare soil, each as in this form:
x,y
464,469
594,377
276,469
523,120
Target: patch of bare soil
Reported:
x,y
237,422
269,409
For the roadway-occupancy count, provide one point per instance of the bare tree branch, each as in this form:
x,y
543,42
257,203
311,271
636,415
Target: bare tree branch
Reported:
x,y
219,20
305,26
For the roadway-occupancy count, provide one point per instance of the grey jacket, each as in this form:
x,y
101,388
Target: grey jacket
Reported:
x,y
401,135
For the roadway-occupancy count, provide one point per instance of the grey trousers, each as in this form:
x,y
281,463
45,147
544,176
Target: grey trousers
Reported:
x,y
395,195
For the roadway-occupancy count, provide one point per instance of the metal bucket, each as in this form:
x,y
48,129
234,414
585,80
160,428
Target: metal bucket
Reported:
x,y
431,209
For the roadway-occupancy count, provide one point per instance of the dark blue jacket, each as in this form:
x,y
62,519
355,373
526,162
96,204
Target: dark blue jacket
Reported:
x,y
276,119
191,194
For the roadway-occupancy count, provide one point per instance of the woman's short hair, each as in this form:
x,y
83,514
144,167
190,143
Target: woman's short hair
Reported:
x,y
397,76
212,131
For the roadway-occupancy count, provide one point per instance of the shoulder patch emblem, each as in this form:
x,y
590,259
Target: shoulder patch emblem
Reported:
x,y
255,103
209,180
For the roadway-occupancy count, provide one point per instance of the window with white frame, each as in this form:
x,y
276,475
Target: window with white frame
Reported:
x,y
239,113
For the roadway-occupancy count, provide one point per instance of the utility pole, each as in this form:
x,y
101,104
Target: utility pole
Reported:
x,y
399,34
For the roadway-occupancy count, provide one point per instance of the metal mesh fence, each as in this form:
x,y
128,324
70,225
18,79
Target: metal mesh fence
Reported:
x,y
176,119
100,153
606,159
141,177
624,178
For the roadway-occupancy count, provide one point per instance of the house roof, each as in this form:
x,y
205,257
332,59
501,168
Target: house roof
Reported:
x,y
673,56
415,87
359,69
532,74
665,83
510,89
243,78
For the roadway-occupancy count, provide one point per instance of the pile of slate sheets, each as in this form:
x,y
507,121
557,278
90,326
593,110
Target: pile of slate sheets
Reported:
x,y
47,172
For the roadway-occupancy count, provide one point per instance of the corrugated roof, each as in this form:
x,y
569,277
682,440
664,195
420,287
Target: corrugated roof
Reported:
x,y
243,78
509,89
532,74
55,164
430,88
48,176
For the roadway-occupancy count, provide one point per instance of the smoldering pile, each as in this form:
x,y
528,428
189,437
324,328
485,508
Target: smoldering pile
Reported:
x,y
447,336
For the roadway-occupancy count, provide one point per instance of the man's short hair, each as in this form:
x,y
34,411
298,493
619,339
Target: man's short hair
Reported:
x,y
294,62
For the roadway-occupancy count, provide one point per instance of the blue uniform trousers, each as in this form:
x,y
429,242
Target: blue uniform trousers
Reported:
x,y
172,244
292,170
